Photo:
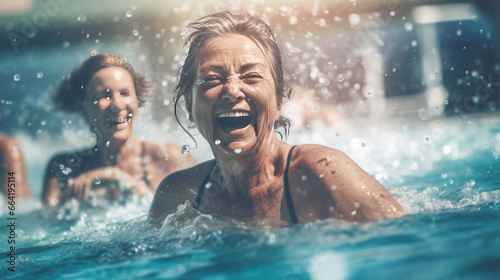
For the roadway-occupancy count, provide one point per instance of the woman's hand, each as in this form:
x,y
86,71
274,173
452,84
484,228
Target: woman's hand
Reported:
x,y
80,186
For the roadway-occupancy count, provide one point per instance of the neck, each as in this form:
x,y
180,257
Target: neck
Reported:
x,y
242,173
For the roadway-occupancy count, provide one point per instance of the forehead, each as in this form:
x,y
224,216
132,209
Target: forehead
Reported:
x,y
232,49
111,74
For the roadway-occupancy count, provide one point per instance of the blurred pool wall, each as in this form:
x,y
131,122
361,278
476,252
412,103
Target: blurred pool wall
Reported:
x,y
349,62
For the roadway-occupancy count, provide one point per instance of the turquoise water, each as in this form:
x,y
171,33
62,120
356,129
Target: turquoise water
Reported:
x,y
444,172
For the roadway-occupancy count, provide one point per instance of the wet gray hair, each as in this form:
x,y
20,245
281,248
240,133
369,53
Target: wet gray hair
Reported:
x,y
219,24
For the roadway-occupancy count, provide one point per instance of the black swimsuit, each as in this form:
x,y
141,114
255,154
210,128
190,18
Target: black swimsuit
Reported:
x,y
288,195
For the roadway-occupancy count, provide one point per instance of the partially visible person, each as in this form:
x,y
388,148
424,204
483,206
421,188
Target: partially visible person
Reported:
x,y
107,91
13,175
233,87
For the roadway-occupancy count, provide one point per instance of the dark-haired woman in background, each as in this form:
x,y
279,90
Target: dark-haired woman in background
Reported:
x,y
107,91
232,82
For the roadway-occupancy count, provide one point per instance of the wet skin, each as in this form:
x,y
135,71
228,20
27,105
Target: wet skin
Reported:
x,y
234,106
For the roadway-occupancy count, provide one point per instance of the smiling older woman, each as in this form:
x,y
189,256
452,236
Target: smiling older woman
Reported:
x,y
232,81
107,91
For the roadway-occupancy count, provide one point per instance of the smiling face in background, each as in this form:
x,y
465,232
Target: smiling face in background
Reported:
x,y
234,100
111,103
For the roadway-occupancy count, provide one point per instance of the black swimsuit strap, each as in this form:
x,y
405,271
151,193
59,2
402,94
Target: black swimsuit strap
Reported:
x,y
144,164
288,195
197,200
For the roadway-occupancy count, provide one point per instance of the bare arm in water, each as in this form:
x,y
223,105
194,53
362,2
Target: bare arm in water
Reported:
x,y
12,159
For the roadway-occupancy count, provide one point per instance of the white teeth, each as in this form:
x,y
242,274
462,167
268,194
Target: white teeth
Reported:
x,y
118,120
233,114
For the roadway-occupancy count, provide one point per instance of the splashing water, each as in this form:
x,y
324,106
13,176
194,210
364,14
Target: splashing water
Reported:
x,y
185,149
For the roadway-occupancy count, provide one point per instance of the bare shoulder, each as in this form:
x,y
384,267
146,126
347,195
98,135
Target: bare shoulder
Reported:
x,y
176,188
326,178
319,157
169,154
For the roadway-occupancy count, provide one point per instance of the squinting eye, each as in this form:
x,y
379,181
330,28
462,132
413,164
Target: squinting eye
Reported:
x,y
252,78
210,79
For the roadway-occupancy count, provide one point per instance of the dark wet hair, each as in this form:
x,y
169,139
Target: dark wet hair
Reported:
x,y
219,24
69,95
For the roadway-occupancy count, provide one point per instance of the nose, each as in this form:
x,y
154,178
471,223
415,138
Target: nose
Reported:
x,y
231,90
117,102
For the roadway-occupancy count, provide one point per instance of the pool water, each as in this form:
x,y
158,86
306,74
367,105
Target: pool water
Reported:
x,y
444,172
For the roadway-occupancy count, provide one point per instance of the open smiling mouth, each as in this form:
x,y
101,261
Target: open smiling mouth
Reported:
x,y
233,120
119,120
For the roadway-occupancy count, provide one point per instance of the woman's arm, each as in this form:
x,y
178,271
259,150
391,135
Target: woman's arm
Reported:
x,y
80,186
13,163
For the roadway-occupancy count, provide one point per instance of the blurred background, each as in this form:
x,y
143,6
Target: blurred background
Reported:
x,y
348,62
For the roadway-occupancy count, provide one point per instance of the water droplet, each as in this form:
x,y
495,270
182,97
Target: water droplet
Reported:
x,y
414,43
130,115
408,26
304,178
363,144
354,19
186,149
39,75
67,171
81,18
353,213
333,187
436,72
337,134
237,151
107,143
97,181
135,32
459,32
340,77
17,77
217,142
392,13
15,147
95,102
208,185
43,122
393,70
65,44
128,14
